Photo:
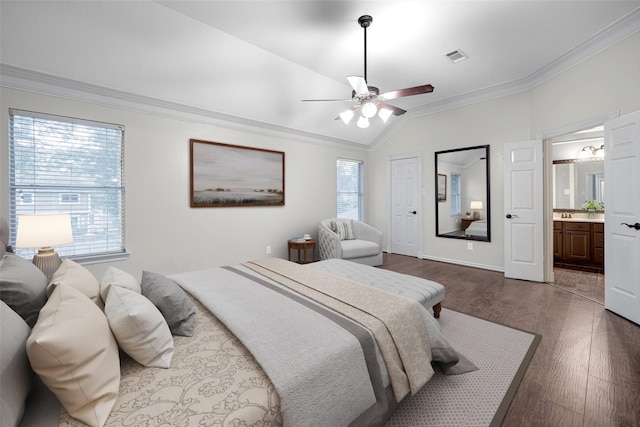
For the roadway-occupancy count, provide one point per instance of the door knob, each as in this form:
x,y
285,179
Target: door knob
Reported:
x,y
636,225
413,212
509,216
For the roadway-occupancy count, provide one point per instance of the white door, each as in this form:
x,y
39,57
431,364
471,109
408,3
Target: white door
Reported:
x,y
405,206
622,216
523,211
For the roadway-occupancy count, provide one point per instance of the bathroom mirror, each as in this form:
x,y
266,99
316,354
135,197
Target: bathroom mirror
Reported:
x,y
463,211
577,180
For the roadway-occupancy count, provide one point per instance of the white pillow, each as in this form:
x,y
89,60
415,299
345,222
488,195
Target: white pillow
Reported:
x,y
73,350
116,277
78,277
139,327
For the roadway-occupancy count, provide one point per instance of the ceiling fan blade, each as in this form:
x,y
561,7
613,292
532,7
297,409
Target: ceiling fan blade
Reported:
x,y
323,100
395,110
359,84
417,90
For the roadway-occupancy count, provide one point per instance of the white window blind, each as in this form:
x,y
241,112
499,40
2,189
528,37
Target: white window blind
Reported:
x,y
350,191
64,165
455,194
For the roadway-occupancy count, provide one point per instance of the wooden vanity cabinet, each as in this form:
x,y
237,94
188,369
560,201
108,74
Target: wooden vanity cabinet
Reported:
x,y
558,251
578,243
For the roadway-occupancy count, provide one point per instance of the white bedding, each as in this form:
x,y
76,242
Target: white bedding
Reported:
x,y
477,228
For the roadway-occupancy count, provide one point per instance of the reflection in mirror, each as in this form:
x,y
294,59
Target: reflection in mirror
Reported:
x,y
463,210
576,181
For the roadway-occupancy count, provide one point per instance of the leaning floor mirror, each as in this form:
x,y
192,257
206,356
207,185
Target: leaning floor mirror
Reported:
x,y
463,208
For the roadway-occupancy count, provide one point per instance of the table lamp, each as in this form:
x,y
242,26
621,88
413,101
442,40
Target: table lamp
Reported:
x,y
475,206
44,231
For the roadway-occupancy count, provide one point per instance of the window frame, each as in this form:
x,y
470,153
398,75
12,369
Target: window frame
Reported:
x,y
359,193
45,130
456,193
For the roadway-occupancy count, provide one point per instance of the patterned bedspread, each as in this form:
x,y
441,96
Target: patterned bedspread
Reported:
x,y
213,381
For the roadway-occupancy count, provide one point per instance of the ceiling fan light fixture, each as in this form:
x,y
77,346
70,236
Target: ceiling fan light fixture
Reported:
x,y
346,116
369,110
384,114
363,122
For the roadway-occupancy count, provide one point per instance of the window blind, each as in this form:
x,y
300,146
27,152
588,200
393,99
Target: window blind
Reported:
x,y
350,191
65,165
455,194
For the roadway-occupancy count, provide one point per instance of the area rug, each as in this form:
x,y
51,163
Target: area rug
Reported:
x,y
478,398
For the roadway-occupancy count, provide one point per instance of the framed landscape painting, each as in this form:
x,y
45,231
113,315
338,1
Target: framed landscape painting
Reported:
x,y
230,175
442,188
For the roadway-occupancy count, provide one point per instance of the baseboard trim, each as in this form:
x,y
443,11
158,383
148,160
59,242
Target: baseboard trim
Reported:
x,y
467,264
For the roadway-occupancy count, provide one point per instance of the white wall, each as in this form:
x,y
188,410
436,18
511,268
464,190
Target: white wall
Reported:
x,y
163,233
493,122
608,81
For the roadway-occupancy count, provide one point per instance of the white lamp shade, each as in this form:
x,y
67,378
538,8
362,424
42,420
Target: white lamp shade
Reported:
x,y
369,110
384,114
363,122
476,204
346,116
41,230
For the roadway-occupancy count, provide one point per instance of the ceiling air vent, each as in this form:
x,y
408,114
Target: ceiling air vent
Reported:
x,y
456,56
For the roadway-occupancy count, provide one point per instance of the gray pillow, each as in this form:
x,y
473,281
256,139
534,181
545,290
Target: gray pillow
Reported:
x,y
171,300
22,287
16,376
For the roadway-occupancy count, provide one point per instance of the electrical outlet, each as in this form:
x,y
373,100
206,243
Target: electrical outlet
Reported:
x,y
469,246
268,250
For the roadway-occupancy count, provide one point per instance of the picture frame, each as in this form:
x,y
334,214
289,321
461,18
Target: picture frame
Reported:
x,y
442,187
225,175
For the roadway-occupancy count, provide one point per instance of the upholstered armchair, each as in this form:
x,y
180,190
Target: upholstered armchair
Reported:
x,y
350,240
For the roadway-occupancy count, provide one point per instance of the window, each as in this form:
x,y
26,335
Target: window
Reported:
x,y
350,191
455,194
59,164
69,198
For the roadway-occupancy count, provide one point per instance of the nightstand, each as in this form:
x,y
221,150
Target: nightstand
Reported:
x,y
302,248
466,222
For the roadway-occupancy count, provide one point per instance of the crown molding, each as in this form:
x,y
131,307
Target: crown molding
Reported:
x,y
34,81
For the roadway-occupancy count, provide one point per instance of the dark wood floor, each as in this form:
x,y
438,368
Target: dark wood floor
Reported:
x,y
586,370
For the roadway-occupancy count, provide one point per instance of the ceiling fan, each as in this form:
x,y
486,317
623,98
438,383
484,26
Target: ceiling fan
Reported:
x,y
368,99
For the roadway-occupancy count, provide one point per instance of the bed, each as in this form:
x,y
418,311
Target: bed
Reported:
x,y
234,356
477,228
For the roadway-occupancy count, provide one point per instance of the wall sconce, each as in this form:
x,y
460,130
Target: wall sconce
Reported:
x,y
594,150
475,206
44,231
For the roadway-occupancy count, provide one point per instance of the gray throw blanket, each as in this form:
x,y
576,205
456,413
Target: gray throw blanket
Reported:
x,y
299,349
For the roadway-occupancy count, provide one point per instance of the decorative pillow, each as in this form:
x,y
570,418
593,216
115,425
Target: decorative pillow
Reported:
x,y
343,229
171,300
16,375
22,287
116,277
73,350
73,274
139,327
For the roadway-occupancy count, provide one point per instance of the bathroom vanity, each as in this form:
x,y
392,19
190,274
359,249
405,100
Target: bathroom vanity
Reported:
x,y
578,242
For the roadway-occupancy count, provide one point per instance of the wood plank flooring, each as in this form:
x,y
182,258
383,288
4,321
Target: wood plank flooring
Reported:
x,y
586,370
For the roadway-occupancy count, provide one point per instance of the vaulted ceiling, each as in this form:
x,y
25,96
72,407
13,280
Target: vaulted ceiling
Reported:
x,y
250,63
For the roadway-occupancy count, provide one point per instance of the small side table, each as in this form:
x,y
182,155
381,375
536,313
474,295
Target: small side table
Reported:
x,y
302,247
466,222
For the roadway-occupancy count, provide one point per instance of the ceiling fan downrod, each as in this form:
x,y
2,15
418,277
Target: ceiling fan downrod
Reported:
x,y
365,21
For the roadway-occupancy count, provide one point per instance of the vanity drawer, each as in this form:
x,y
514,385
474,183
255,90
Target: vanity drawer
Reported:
x,y
576,226
557,225
598,228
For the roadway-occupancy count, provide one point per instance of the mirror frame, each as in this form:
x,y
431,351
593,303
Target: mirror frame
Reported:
x,y
487,188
